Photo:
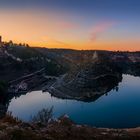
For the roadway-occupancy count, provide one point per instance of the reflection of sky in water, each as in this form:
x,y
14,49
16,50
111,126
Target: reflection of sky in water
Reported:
x,y
118,109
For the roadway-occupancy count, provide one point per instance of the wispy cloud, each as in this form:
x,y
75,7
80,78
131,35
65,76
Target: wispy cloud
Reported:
x,y
100,28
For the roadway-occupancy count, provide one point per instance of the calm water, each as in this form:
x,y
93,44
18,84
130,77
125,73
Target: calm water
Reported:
x,y
116,110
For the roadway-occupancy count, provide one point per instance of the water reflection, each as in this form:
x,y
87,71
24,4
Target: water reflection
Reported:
x,y
118,109
104,89
5,100
87,89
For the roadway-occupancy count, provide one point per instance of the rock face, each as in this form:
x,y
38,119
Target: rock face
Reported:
x,y
88,81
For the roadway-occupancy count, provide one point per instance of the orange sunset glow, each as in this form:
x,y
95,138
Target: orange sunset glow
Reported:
x,y
56,29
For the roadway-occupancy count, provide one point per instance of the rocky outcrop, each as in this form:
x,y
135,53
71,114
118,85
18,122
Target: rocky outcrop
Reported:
x,y
88,81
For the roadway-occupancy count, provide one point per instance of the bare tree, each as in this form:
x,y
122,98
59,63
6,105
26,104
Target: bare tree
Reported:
x,y
43,116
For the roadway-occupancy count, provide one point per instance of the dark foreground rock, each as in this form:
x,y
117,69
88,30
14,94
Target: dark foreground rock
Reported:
x,y
61,129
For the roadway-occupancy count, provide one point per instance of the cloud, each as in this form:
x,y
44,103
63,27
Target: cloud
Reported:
x,y
100,28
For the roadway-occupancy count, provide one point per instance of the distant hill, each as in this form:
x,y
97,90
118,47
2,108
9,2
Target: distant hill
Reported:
x,y
19,60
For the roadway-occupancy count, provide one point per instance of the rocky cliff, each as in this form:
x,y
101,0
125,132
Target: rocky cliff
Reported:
x,y
93,78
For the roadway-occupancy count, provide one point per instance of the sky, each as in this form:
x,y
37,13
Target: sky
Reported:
x,y
75,24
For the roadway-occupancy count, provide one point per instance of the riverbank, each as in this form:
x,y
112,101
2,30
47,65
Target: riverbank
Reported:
x,y
61,129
